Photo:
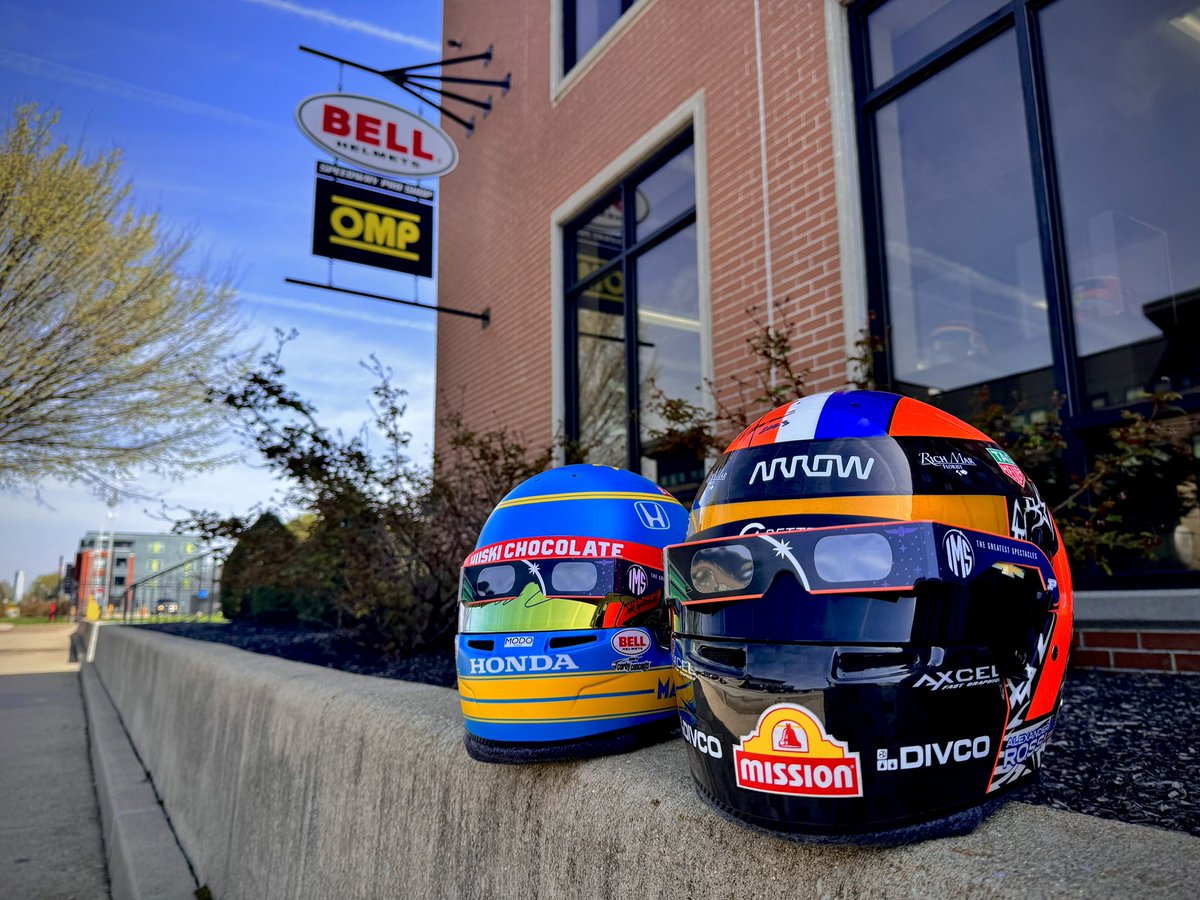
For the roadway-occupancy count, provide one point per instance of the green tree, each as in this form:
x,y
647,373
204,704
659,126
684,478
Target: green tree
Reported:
x,y
106,343
44,587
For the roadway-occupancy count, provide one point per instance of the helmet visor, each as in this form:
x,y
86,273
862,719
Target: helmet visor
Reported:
x,y
557,595
888,583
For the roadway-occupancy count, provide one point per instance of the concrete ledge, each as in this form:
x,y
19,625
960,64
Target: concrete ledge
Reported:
x,y
144,859
288,780
1176,607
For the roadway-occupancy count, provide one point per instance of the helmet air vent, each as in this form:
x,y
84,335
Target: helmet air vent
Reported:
x,y
574,640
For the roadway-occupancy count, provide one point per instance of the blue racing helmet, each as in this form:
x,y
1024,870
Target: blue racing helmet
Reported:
x,y
563,646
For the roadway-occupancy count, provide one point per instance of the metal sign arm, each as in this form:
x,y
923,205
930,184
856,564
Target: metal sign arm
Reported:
x,y
485,317
469,125
486,56
503,85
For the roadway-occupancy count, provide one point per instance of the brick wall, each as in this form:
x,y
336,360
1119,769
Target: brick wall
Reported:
x,y
531,154
1136,649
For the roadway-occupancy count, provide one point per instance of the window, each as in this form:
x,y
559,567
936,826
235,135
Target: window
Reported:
x,y
154,565
1030,209
585,22
633,318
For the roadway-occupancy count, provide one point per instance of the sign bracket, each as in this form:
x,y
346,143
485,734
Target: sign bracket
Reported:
x,y
408,79
485,317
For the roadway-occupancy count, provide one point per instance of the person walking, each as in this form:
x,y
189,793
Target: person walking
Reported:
x,y
53,610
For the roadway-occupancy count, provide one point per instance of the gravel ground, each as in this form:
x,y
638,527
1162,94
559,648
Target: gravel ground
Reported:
x,y
1127,745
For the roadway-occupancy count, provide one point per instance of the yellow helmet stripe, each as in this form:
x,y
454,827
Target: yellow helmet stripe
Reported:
x,y
589,495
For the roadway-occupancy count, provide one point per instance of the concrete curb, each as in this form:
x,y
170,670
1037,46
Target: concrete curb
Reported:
x,y
145,861
287,780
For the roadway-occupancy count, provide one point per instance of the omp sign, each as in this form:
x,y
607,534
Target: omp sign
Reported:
x,y
376,135
370,227
789,753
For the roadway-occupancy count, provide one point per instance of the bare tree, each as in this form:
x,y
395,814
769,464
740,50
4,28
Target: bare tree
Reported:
x,y
105,342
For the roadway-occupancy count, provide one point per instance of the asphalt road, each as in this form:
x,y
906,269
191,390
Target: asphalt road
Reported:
x,y
50,842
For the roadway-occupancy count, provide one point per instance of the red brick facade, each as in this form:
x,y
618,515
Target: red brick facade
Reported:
x,y
1138,649
533,153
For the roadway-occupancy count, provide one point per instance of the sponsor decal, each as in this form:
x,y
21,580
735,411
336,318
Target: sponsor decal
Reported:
x,y
760,528
653,515
522,640
666,689
960,552
376,135
957,462
705,743
372,229
1028,515
952,679
631,641
922,756
628,664
546,548
638,580
1020,745
790,753
1007,465
504,665
821,465
375,181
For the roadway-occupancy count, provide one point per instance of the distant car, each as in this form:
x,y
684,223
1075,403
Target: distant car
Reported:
x,y
167,607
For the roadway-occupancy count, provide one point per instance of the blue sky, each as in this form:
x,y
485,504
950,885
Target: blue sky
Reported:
x,y
199,96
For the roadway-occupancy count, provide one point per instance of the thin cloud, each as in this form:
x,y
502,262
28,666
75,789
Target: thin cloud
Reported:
x,y
337,312
43,68
332,18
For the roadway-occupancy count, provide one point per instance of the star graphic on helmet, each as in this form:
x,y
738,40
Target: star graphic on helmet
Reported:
x,y
782,548
533,567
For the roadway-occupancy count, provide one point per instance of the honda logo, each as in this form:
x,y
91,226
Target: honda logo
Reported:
x,y
652,515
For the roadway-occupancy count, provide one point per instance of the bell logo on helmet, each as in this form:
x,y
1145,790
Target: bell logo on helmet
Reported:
x,y
653,515
960,554
789,752
631,642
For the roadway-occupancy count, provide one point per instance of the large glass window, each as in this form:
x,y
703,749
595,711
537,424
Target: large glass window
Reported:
x,y
585,22
1032,216
1124,88
632,283
965,290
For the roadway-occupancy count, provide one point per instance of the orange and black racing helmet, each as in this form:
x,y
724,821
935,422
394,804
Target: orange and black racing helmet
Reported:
x,y
872,614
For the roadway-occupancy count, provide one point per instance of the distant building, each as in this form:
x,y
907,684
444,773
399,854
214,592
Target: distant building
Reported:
x,y
161,566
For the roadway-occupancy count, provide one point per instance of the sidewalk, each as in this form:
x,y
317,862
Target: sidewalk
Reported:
x,y
50,843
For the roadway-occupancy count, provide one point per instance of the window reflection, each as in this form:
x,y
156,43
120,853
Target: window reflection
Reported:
x,y
904,32
967,301
600,359
588,21
668,193
669,338
1124,86
599,240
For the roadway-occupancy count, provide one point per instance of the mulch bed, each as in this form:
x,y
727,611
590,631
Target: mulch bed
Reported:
x,y
1126,747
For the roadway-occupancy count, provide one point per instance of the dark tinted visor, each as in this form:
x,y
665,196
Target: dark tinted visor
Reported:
x,y
898,583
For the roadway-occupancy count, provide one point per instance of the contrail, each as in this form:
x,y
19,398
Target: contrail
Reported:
x,y
44,68
332,18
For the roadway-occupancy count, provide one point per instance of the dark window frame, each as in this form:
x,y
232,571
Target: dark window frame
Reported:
x,y
571,53
1021,17
626,263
